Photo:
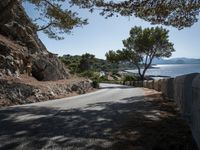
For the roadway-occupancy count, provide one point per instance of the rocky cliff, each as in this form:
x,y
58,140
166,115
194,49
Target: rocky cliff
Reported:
x,y
25,62
20,45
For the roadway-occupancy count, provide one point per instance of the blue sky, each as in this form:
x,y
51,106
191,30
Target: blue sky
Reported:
x,y
101,35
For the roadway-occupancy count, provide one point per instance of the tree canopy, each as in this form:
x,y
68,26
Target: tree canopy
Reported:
x,y
55,17
142,47
86,62
177,13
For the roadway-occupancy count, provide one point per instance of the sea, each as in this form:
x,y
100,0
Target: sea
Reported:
x,y
171,70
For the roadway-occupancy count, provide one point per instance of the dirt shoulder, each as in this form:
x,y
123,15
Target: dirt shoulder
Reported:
x,y
25,89
156,125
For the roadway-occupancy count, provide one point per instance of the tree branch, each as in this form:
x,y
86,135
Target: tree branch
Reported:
x,y
146,67
49,3
139,71
45,27
145,63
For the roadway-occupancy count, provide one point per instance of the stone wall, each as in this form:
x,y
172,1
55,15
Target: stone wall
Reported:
x,y
195,111
185,91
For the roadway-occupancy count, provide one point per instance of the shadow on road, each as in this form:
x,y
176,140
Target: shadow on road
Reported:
x,y
116,87
133,123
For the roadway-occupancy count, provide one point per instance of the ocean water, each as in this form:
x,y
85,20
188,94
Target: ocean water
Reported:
x,y
171,70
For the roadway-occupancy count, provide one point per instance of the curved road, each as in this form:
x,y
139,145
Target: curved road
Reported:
x,y
113,117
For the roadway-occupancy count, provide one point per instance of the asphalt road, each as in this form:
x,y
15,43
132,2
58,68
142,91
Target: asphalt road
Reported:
x,y
100,120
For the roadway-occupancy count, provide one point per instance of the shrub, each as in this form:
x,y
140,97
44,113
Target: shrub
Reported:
x,y
129,78
95,84
103,78
89,74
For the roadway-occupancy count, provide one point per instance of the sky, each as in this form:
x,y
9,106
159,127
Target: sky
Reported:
x,y
102,35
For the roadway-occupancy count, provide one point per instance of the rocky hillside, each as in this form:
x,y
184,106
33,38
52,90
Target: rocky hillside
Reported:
x,y
20,46
23,90
28,72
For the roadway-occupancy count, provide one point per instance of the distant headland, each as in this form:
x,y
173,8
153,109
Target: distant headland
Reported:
x,y
179,60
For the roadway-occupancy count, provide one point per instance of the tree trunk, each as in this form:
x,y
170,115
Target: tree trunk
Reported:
x,y
141,77
139,72
146,67
143,73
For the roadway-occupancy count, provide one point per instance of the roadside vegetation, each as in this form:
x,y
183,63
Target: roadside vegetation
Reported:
x,y
98,70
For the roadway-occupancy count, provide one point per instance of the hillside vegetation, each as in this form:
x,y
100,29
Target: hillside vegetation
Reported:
x,y
88,62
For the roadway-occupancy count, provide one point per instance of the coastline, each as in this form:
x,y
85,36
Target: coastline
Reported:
x,y
168,70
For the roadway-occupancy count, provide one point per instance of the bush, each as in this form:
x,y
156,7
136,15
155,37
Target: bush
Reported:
x,y
114,77
114,71
103,78
129,78
89,74
95,84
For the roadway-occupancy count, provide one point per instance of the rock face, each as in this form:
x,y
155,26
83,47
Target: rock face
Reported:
x,y
19,44
15,92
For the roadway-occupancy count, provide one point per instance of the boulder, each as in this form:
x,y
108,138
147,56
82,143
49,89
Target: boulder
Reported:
x,y
48,68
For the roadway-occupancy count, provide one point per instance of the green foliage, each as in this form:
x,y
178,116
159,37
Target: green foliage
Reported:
x,y
72,62
55,17
112,56
80,64
89,74
86,62
95,84
129,78
94,76
142,47
95,79
103,78
177,13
